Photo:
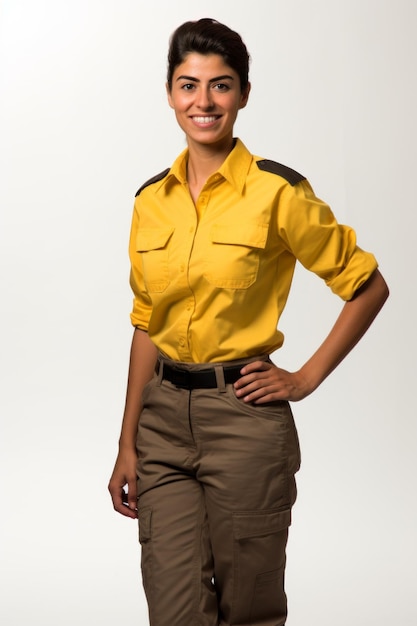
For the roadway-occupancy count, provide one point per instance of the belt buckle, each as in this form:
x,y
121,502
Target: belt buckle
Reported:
x,y
181,378
187,376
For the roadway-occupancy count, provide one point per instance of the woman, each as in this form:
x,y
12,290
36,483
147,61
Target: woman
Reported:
x,y
209,467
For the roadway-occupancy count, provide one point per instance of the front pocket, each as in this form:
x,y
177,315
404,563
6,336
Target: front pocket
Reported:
x,y
275,420
152,245
260,540
232,259
277,410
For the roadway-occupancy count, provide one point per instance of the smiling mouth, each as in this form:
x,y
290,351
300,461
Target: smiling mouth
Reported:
x,y
205,119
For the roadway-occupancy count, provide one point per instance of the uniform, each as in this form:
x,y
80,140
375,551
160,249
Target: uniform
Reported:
x,y
215,475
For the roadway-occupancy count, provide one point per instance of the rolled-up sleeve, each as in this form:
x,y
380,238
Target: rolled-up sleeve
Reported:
x,y
322,245
142,305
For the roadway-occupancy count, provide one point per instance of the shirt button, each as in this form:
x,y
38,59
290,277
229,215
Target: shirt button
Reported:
x,y
181,341
182,267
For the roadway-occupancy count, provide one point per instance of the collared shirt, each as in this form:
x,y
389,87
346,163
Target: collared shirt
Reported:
x,y
211,280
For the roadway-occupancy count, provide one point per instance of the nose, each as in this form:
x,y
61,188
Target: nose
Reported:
x,y
204,99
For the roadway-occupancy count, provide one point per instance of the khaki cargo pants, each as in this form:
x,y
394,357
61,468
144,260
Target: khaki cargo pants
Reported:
x,y
215,490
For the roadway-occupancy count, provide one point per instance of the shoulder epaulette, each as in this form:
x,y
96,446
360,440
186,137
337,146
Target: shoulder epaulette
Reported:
x,y
290,175
152,180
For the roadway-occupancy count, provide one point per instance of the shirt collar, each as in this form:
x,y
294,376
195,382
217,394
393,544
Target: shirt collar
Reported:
x,y
236,166
234,169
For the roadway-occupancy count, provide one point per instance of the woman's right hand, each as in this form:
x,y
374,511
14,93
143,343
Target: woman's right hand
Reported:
x,y
124,475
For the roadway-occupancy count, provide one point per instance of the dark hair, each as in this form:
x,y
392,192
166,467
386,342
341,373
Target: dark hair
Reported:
x,y
207,36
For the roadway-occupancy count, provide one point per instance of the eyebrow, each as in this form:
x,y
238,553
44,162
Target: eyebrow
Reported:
x,y
212,80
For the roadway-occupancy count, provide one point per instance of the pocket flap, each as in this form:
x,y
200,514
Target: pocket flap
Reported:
x,y
152,238
252,234
260,523
145,525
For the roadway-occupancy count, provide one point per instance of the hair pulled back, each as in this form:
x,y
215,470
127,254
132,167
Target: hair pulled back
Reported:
x,y
207,36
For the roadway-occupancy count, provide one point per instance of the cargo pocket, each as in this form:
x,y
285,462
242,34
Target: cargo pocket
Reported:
x,y
260,540
145,539
152,244
232,258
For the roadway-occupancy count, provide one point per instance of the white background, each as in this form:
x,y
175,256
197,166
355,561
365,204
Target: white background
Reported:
x,y
83,122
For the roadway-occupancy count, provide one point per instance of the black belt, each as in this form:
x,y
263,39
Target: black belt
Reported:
x,y
203,379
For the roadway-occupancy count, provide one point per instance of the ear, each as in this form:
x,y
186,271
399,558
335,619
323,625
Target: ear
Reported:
x,y
169,96
245,97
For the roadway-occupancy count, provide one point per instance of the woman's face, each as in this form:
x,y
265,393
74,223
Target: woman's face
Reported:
x,y
206,97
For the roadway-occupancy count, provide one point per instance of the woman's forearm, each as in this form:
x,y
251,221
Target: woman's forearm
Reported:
x,y
354,320
143,357
263,382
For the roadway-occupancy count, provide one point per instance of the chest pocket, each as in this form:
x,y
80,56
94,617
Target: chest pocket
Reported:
x,y
152,245
232,260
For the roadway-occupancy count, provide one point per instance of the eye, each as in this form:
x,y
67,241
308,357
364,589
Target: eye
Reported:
x,y
187,87
221,87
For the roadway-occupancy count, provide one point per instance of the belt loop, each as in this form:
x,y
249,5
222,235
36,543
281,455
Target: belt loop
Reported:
x,y
160,372
221,385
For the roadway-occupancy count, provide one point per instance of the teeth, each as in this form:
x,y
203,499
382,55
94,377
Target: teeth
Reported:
x,y
205,120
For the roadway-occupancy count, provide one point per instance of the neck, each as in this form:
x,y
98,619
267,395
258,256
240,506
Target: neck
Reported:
x,y
204,160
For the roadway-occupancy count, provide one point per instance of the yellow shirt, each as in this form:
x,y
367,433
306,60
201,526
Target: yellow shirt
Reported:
x,y
210,281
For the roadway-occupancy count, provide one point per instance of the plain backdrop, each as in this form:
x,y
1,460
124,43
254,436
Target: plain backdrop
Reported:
x,y
83,123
